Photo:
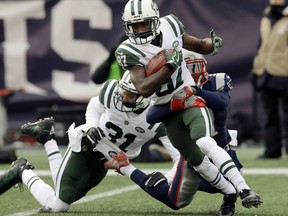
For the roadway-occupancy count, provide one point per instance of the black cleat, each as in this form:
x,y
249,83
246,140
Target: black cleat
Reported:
x,y
250,198
228,205
42,130
13,175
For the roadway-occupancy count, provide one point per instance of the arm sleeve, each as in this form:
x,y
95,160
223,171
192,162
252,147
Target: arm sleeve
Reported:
x,y
93,112
214,99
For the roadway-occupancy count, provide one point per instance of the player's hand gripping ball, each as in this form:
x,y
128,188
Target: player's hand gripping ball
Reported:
x,y
156,62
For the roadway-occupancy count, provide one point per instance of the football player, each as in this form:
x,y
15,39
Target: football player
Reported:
x,y
214,88
189,130
115,123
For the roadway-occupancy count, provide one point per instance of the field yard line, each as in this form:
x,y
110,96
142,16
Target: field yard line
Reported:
x,y
88,198
107,194
246,171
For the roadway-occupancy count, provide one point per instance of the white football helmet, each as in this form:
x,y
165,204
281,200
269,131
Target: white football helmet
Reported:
x,y
138,11
125,85
197,66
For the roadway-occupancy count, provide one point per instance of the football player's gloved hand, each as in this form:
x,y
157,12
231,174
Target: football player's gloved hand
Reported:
x,y
155,179
174,59
119,160
185,98
93,135
217,42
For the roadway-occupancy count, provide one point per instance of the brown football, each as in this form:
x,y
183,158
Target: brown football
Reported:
x,y
156,62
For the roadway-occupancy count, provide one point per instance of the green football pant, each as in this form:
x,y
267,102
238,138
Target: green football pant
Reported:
x,y
78,173
185,128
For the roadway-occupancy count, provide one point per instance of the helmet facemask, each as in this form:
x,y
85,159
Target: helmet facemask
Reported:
x,y
126,98
198,70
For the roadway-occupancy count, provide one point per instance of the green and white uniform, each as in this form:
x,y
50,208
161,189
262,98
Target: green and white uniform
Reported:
x,y
182,133
189,130
80,171
127,130
129,54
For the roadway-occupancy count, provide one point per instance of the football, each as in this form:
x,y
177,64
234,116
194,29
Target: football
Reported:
x,y
156,62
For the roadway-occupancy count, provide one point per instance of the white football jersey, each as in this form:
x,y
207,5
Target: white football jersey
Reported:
x,y
126,131
129,54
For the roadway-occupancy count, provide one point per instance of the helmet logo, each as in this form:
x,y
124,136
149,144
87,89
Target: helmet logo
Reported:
x,y
140,130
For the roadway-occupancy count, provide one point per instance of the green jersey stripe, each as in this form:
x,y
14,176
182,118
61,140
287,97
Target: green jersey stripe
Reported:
x,y
135,49
179,24
110,94
172,25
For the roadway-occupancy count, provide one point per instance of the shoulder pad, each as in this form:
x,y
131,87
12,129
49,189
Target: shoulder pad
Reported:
x,y
175,24
128,55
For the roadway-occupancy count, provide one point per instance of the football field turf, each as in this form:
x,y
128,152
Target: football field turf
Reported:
x,y
119,196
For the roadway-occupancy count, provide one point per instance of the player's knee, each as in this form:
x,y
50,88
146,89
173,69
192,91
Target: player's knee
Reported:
x,y
206,144
54,204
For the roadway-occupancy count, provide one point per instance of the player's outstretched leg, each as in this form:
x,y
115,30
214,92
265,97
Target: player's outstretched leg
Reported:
x,y
14,174
155,184
42,130
225,164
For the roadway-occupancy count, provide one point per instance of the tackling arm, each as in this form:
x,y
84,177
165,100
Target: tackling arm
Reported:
x,y
214,99
216,91
203,46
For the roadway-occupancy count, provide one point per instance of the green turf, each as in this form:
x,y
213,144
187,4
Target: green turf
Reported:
x,y
272,188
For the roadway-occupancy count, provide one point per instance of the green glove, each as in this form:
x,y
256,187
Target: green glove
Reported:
x,y
173,59
217,41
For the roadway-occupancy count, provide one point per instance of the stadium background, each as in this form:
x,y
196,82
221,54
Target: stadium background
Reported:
x,y
50,48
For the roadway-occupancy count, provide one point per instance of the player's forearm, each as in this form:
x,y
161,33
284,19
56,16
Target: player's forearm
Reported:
x,y
146,86
203,46
214,99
